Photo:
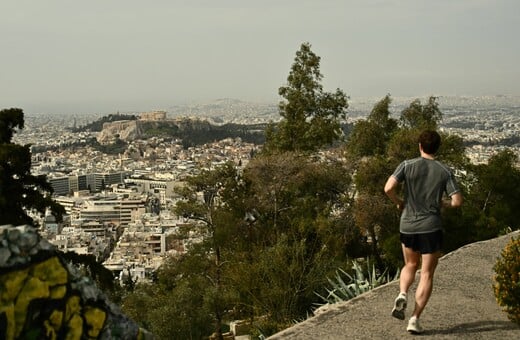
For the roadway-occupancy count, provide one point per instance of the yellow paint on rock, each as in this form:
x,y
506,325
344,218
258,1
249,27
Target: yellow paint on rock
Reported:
x,y
58,292
56,318
50,331
47,280
8,309
95,319
11,284
51,271
72,307
19,287
34,288
53,324
75,328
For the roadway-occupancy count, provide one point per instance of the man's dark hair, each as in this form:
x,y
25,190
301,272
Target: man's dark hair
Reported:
x,y
430,141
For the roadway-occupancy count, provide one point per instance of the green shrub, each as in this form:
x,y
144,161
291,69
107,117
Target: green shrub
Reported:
x,y
360,282
507,280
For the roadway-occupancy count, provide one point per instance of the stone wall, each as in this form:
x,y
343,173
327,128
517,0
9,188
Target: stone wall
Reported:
x,y
44,297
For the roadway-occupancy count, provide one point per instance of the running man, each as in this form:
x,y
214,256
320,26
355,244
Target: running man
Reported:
x,y
425,181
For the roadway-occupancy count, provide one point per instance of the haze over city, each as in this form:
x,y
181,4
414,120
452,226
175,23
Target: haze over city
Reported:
x,y
105,56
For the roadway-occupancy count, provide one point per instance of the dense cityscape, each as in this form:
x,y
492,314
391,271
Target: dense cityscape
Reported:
x,y
119,207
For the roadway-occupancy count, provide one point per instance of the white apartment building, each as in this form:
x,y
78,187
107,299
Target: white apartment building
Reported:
x,y
119,211
163,189
139,252
64,185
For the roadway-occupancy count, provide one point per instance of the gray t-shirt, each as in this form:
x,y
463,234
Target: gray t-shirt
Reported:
x,y
425,182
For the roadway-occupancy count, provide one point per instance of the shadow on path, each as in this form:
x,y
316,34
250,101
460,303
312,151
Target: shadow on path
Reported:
x,y
475,327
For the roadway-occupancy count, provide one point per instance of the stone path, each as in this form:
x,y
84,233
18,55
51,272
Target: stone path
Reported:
x,y
462,305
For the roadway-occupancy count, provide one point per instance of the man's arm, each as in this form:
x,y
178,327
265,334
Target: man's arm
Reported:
x,y
455,201
390,191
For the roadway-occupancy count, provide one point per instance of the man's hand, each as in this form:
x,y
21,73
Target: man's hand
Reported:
x,y
455,201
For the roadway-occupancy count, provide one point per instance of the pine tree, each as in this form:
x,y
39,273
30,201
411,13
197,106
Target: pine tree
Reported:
x,y
310,116
20,191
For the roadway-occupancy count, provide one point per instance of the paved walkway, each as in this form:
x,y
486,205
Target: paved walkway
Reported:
x,y
462,305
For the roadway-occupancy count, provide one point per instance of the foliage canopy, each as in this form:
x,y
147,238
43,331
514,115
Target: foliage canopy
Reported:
x,y
310,116
20,191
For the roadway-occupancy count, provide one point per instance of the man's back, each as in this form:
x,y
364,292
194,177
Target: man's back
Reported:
x,y
425,182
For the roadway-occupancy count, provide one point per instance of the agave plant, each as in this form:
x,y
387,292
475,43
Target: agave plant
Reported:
x,y
345,286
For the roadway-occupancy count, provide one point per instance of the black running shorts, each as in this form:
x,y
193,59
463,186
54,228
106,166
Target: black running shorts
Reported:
x,y
424,243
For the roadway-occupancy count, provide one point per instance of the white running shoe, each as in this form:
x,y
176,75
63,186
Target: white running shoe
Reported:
x,y
399,306
414,326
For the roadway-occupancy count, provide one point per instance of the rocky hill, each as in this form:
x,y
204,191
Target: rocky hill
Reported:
x,y
192,131
125,130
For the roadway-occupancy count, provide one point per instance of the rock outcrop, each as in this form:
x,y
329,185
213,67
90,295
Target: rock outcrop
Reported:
x,y
44,297
129,130
124,130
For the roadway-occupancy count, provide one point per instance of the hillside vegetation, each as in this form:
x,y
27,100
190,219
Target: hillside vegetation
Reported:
x,y
310,202
272,233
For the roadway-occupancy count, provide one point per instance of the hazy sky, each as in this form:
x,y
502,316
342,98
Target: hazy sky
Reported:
x,y
136,55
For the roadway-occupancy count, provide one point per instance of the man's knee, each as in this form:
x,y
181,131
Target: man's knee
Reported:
x,y
412,265
429,263
427,274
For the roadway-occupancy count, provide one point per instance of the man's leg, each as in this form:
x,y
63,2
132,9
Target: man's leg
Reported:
x,y
411,264
407,277
424,289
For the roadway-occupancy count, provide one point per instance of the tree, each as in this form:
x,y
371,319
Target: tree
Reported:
x,y
269,238
452,151
370,137
204,203
368,145
196,285
20,191
414,119
419,116
494,195
176,306
298,236
374,215
380,144
310,116
404,144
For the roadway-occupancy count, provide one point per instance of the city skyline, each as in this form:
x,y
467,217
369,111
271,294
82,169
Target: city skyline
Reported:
x,y
64,57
